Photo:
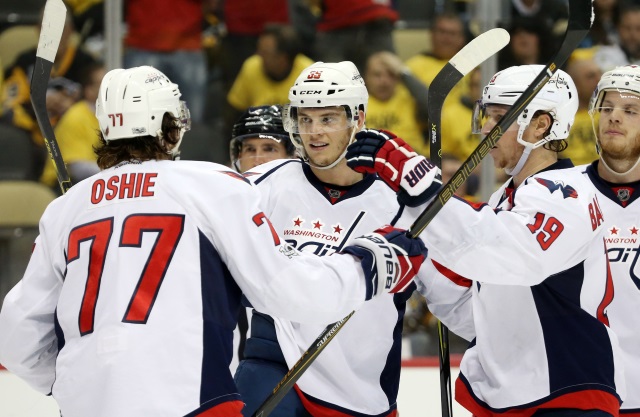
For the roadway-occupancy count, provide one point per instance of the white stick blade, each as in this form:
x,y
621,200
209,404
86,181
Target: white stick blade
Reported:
x,y
55,13
479,49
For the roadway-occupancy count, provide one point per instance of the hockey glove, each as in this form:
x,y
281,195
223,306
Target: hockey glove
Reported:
x,y
390,259
412,176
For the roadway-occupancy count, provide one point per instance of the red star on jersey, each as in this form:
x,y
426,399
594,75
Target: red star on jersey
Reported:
x,y
297,222
337,229
634,231
317,225
614,231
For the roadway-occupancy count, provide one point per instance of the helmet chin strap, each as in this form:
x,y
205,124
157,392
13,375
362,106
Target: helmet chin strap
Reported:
x,y
344,153
528,147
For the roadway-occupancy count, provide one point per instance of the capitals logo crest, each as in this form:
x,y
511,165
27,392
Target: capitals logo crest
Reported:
x,y
566,190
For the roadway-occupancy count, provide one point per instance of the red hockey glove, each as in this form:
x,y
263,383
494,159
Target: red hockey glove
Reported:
x,y
412,176
390,259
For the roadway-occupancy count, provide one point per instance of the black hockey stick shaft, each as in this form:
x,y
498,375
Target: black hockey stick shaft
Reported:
x,y
469,57
472,55
52,26
296,371
580,15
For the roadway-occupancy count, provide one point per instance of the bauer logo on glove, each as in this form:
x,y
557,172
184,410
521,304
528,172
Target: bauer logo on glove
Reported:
x,y
390,259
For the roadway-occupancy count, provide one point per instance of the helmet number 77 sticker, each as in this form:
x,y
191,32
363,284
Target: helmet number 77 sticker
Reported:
x,y
113,118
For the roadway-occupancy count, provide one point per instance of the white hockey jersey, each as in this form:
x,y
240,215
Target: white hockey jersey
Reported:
x,y
620,205
129,301
359,371
541,294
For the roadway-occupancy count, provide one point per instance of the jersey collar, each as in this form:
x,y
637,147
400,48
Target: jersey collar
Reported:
x,y
337,193
622,194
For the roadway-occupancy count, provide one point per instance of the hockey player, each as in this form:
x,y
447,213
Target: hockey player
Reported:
x,y
258,137
615,112
129,301
541,283
318,205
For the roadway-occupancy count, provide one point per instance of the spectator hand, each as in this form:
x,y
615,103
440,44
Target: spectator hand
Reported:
x,y
393,63
412,176
390,259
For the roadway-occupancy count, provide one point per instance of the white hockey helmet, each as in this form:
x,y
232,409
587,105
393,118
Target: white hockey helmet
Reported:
x,y
558,97
132,102
623,79
325,85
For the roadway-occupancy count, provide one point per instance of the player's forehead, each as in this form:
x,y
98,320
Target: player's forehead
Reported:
x,y
620,97
321,111
258,142
493,109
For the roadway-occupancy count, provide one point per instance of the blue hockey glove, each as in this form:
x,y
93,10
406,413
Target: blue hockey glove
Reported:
x,y
412,176
390,259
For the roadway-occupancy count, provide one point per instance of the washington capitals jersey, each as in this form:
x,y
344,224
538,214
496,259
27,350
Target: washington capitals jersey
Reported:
x,y
129,301
621,208
359,371
541,296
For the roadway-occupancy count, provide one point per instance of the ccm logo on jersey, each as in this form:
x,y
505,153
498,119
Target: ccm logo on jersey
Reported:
x,y
123,186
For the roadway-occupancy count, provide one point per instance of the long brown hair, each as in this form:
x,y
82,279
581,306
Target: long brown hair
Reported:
x,y
140,148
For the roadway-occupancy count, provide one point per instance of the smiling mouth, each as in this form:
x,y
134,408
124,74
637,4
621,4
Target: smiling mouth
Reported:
x,y
318,146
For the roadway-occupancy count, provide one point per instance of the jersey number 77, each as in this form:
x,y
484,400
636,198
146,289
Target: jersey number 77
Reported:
x,y
169,228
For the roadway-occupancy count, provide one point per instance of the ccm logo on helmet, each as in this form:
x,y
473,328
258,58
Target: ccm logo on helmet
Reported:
x,y
309,92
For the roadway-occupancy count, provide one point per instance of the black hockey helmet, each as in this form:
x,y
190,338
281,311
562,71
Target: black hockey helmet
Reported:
x,y
264,122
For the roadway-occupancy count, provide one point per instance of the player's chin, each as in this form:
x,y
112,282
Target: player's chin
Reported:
x,y
320,160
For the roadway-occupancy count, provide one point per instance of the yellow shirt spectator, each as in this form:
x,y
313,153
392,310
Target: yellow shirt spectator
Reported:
x,y
582,145
253,87
457,138
397,115
76,133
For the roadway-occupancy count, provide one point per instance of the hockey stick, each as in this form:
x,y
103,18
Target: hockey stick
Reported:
x,y
473,54
580,19
53,19
464,61
468,58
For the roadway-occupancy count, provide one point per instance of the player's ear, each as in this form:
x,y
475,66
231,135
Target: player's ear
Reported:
x,y
542,124
361,117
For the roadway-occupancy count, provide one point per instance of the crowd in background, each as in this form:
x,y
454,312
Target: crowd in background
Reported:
x,y
230,55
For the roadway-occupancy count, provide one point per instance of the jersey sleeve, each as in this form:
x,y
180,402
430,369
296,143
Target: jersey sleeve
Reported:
x,y
28,346
448,296
546,231
279,280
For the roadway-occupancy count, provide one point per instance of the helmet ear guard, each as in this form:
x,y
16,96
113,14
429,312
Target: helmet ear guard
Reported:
x,y
132,103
